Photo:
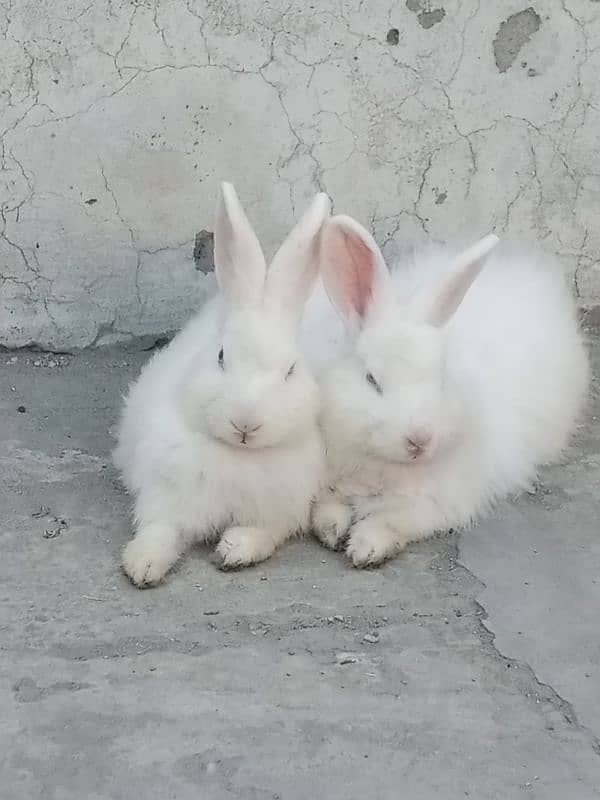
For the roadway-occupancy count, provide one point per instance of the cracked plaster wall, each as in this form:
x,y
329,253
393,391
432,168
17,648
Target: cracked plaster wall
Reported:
x,y
118,119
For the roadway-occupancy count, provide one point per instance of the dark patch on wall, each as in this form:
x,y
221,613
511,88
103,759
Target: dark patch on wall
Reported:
x,y
203,252
441,198
591,316
427,16
513,34
91,201
430,18
393,36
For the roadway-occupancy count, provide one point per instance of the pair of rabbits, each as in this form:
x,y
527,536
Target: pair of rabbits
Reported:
x,y
374,407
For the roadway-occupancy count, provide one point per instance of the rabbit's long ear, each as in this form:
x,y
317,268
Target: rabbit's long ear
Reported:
x,y
465,270
239,260
354,273
295,265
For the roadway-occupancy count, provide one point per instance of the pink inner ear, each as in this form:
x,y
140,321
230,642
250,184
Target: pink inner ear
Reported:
x,y
360,275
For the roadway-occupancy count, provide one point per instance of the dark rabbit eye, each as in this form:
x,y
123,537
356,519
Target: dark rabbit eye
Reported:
x,y
373,382
290,371
220,358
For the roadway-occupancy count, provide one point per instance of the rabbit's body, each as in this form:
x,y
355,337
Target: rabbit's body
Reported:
x,y
510,376
219,435
201,483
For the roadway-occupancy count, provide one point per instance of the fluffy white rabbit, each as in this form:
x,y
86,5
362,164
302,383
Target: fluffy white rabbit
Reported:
x,y
444,385
219,434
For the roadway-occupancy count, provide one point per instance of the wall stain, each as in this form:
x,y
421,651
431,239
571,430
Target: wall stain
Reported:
x,y
513,34
427,16
203,252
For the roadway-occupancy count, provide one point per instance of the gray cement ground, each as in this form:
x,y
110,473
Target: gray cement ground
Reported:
x,y
481,677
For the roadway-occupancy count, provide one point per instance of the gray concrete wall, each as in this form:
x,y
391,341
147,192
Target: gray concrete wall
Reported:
x,y
119,118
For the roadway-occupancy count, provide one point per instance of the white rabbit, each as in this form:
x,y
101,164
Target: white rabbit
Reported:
x,y
219,434
443,388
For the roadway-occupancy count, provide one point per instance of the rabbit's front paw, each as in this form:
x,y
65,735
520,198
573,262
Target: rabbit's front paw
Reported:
x,y
147,559
371,542
241,546
330,523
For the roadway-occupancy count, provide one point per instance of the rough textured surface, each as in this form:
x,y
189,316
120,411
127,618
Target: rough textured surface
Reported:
x,y
119,117
469,667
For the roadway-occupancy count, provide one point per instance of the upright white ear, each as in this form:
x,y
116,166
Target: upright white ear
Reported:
x,y
295,265
466,268
239,260
354,273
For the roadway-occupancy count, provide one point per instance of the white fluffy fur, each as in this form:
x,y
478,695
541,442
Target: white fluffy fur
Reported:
x,y
489,388
193,473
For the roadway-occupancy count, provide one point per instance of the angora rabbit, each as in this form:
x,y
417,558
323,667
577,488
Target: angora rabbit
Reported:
x,y
219,434
444,386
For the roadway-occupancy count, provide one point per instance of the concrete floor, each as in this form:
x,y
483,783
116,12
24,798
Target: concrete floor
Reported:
x,y
483,679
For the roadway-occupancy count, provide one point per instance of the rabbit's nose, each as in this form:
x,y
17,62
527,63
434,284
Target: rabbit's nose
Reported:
x,y
417,442
245,427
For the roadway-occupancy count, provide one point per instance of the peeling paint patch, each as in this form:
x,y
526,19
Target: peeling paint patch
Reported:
x,y
426,15
203,252
428,19
513,34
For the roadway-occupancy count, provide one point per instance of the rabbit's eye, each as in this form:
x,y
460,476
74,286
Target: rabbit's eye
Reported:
x,y
373,382
290,371
220,358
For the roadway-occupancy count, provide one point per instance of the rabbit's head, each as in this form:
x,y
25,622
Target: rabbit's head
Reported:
x,y
252,389
389,394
